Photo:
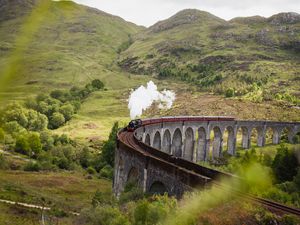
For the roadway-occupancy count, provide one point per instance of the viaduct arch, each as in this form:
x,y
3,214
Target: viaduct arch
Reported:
x,y
164,152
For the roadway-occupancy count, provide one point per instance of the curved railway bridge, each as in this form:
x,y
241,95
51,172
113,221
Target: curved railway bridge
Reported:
x,y
162,154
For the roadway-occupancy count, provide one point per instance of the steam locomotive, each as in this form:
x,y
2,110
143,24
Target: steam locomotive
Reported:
x,y
134,124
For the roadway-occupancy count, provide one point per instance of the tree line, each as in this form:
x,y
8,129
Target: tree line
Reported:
x,y
26,129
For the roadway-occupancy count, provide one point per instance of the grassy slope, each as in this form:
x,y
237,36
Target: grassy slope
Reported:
x,y
16,215
71,46
255,47
99,112
69,191
61,190
208,104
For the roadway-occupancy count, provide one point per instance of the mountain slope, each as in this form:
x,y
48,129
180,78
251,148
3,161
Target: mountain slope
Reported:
x,y
202,49
70,45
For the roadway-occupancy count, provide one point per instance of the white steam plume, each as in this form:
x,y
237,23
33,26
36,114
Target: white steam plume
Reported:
x,y
143,97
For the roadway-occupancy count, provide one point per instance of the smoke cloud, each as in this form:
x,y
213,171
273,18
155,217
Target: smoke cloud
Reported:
x,y
143,97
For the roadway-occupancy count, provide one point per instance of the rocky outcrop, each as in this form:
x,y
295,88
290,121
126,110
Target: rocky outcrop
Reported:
x,y
284,18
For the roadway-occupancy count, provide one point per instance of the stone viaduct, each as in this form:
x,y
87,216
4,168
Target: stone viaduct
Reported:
x,y
162,154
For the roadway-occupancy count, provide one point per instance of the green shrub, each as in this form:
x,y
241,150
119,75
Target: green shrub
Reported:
x,y
269,218
76,104
32,166
103,215
91,170
62,139
107,172
15,118
36,121
97,84
165,73
48,166
13,128
57,120
67,111
15,112
35,144
63,163
141,212
2,136
58,212
267,160
229,93
69,152
3,162
22,145
277,195
152,212
131,193
297,179
85,157
285,164
60,95
47,140
101,199
290,220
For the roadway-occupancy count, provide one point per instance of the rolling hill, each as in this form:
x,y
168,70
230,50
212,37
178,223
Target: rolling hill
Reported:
x,y
202,49
51,44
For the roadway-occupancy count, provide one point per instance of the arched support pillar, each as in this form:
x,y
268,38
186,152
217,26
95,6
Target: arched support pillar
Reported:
x,y
276,136
195,151
202,150
147,139
217,143
166,142
207,145
246,138
157,140
189,144
261,136
231,141
177,143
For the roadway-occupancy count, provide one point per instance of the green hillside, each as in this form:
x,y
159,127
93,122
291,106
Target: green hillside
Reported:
x,y
69,69
58,44
216,55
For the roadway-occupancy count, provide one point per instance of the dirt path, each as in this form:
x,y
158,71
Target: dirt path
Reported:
x,y
31,206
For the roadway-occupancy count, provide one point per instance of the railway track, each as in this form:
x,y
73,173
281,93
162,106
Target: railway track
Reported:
x,y
278,207
129,139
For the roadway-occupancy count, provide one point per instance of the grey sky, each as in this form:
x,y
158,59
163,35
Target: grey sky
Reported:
x,y
148,12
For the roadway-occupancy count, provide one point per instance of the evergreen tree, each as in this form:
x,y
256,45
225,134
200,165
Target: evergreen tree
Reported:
x,y
285,164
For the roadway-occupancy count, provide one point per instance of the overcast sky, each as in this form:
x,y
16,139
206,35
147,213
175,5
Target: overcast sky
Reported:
x,y
148,12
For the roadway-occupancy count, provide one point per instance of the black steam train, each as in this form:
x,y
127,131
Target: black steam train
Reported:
x,y
134,124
